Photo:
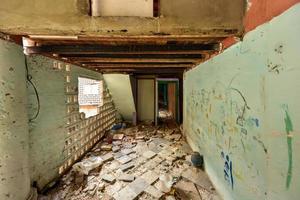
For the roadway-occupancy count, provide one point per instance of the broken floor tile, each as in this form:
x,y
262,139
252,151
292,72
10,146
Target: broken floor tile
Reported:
x,y
126,178
107,157
150,165
127,166
118,136
150,177
127,151
154,192
133,155
108,178
115,148
149,154
125,194
112,189
118,155
124,159
138,186
117,143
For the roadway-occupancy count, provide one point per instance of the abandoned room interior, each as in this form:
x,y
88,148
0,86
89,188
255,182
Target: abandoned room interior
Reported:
x,y
149,99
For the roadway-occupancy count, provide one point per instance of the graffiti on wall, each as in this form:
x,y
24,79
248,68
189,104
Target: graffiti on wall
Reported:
x,y
289,128
228,176
221,110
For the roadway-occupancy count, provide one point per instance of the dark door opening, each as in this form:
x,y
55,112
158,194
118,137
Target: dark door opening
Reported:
x,y
167,101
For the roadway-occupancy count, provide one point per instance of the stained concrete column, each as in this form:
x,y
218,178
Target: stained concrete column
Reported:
x,y
14,133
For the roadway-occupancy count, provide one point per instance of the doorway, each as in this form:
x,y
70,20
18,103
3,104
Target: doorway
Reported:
x,y
167,100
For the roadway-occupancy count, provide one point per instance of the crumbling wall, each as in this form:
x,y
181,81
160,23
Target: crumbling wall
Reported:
x,y
14,136
122,93
242,112
60,134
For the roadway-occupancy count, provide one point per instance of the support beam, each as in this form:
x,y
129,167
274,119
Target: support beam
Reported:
x,y
96,48
132,60
155,55
136,65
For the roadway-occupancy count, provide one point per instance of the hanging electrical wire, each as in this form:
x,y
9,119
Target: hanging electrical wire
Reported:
x,y
29,79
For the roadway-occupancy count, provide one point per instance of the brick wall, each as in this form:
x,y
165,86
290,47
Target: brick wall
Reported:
x,y
60,134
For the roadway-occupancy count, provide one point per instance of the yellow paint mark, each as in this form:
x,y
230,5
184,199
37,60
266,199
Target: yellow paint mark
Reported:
x,y
238,175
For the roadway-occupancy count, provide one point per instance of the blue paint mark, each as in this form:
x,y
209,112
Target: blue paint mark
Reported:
x,y
256,121
228,169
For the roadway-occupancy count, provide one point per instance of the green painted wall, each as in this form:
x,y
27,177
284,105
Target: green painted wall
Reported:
x,y
14,135
242,112
48,132
121,91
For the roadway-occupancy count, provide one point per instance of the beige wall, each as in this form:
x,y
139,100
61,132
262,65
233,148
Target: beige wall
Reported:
x,y
145,99
141,8
70,17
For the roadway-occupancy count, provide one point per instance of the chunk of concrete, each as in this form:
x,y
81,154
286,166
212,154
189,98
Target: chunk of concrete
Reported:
x,y
118,136
126,178
108,178
86,165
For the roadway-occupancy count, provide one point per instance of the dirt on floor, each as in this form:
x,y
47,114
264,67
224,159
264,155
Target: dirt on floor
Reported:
x,y
140,162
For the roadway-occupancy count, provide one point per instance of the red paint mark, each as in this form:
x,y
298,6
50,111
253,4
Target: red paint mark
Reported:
x,y
261,11
229,42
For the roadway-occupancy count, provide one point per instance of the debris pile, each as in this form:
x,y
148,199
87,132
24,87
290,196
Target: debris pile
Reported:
x,y
140,162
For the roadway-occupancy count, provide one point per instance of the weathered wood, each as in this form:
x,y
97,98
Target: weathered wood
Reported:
x,y
95,48
133,60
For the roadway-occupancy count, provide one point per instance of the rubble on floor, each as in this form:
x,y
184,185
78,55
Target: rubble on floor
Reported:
x,y
140,162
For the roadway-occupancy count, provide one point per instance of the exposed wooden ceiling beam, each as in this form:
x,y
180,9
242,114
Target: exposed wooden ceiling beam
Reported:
x,y
182,52
93,48
153,70
136,65
119,39
128,56
133,60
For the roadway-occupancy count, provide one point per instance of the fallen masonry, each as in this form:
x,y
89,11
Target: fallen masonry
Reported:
x,y
139,162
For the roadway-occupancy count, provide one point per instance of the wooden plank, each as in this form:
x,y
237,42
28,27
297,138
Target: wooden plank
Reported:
x,y
133,60
94,48
137,65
